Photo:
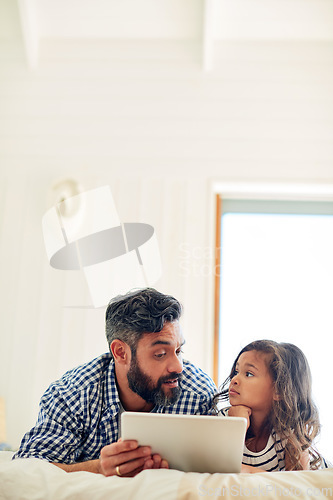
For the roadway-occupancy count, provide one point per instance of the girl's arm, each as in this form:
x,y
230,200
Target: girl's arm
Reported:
x,y
251,470
304,461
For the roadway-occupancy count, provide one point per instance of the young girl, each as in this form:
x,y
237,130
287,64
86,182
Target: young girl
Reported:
x,y
270,385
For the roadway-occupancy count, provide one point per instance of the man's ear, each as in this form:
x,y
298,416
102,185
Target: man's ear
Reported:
x,y
121,351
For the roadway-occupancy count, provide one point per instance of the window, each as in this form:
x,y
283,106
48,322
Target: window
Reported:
x,y
276,282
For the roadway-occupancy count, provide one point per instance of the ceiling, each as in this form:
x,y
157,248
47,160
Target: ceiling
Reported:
x,y
206,22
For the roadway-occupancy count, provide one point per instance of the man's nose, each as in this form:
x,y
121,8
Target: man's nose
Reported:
x,y
176,364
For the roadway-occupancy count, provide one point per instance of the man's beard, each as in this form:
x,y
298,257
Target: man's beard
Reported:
x,y
142,384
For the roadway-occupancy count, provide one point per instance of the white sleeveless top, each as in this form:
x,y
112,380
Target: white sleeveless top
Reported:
x,y
270,459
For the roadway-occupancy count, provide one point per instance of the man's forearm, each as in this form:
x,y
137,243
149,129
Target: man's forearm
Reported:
x,y
88,466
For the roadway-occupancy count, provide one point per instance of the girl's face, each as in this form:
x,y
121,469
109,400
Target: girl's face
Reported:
x,y
252,384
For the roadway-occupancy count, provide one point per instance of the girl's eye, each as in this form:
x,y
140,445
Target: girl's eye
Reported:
x,y
235,372
249,374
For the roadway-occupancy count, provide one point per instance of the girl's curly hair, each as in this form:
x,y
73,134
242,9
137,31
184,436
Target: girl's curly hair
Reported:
x,y
294,416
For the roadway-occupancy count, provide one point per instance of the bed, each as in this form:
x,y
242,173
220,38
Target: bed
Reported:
x,y
33,479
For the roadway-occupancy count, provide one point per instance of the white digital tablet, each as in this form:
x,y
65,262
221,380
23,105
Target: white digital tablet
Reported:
x,y
191,443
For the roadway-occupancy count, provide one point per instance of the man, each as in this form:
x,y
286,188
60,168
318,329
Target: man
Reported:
x,y
78,423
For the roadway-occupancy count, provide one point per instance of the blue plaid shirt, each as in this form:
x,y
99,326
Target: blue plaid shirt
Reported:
x,y
79,413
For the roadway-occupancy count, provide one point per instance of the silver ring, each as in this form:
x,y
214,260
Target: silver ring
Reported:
x,y
118,471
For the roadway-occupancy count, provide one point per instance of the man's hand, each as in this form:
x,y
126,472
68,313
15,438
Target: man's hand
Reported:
x,y
127,458
124,458
157,463
240,411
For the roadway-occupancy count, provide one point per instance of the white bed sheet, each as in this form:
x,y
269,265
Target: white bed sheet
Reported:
x,y
32,479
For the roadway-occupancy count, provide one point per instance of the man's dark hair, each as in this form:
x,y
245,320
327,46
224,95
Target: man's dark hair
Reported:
x,y
129,316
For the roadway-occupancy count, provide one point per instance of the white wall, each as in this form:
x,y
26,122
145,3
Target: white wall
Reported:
x,y
148,122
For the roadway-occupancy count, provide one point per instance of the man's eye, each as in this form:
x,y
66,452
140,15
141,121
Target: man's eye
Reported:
x,y
160,355
179,352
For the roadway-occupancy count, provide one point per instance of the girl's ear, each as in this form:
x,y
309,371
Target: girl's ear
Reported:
x,y
276,396
121,351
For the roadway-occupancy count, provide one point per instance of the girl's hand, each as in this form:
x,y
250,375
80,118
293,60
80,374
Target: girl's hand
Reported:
x,y
240,411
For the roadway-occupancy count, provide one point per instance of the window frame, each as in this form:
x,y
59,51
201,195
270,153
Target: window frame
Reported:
x,y
252,191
